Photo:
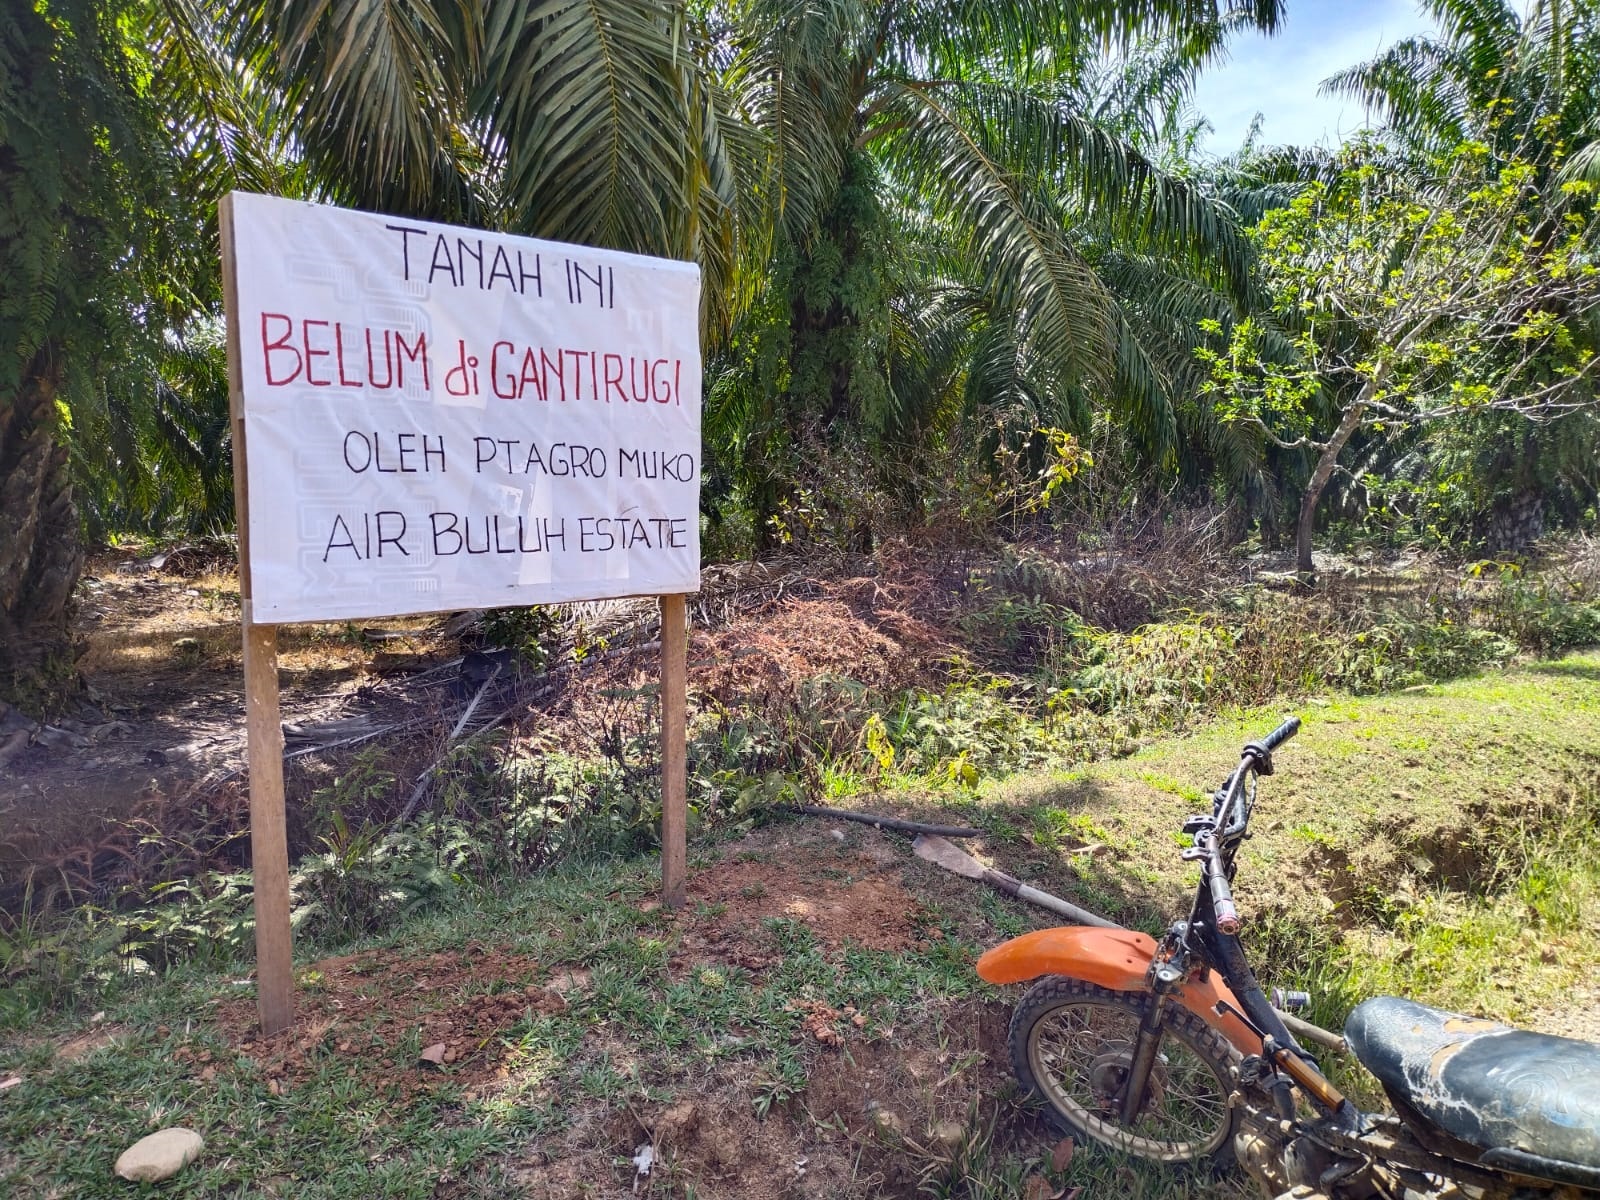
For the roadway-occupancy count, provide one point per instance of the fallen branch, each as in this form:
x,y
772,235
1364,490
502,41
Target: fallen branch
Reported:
x,y
427,776
552,681
816,810
370,735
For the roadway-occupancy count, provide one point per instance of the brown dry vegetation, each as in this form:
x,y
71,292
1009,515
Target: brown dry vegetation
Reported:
x,y
144,783
809,1025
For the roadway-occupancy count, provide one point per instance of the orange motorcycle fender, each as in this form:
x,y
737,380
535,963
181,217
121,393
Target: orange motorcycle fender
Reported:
x,y
1118,959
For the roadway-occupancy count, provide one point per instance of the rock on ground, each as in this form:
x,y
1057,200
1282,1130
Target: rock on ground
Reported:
x,y
160,1156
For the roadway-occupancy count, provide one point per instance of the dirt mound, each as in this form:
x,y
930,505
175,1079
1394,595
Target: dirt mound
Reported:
x,y
841,895
376,1013
779,647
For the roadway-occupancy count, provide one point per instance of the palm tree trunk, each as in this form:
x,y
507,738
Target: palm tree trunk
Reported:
x,y
40,554
1329,459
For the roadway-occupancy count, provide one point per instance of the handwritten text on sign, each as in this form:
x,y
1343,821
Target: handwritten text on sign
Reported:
x,y
441,418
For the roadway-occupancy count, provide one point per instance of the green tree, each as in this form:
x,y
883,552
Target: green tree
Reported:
x,y
1522,80
967,156
82,198
1414,297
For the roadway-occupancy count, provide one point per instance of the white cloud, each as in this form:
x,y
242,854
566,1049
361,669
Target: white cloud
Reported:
x,y
1279,76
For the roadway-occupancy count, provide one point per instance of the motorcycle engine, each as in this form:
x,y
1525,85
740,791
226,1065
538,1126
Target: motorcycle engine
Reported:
x,y
1288,1167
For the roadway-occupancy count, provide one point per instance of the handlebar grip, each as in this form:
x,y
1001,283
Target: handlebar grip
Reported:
x,y
1222,904
1221,892
1281,734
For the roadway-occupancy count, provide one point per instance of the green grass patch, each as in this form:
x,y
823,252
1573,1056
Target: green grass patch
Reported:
x,y
1439,843
1442,843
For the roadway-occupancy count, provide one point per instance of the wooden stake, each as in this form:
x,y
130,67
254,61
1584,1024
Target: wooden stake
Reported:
x,y
674,750
269,847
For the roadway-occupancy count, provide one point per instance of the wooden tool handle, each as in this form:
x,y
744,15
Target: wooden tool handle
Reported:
x,y
1078,916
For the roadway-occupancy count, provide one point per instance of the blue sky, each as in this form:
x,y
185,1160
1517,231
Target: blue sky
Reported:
x,y
1278,76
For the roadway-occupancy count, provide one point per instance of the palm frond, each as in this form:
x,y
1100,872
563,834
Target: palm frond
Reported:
x,y
959,167
1584,166
949,38
591,101
793,82
1413,86
377,93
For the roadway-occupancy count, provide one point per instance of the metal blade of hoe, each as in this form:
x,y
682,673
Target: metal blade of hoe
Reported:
x,y
947,855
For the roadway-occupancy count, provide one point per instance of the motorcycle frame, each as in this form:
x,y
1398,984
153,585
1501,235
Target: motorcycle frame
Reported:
x,y
1125,960
1196,964
1205,970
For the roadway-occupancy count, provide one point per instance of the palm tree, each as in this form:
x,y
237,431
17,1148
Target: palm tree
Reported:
x,y
984,128
600,123
1524,81
83,195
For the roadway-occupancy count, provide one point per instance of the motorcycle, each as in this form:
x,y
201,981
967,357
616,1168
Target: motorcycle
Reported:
x,y
1169,1051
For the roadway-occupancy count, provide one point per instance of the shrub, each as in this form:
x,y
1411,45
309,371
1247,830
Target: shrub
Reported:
x,y
969,730
1544,618
367,879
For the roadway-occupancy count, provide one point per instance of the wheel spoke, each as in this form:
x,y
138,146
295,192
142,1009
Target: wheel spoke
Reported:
x,y
1081,1053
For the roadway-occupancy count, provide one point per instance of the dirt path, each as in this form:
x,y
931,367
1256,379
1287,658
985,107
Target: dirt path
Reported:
x,y
162,708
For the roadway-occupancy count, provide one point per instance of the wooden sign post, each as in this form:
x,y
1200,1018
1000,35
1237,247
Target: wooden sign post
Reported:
x,y
674,745
427,419
269,843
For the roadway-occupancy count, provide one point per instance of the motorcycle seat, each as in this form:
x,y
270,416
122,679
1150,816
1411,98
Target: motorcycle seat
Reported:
x,y
1530,1101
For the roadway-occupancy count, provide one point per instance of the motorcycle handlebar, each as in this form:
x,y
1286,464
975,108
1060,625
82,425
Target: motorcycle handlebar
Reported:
x,y
1281,734
1230,817
1222,896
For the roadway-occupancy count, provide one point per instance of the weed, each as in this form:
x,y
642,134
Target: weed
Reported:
x,y
528,632
783,1082
364,787
47,961
367,879
839,783
208,918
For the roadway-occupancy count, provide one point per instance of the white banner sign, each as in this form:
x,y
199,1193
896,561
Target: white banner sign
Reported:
x,y
443,418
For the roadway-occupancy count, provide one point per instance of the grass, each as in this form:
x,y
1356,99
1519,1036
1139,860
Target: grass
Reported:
x,y
1438,842
1447,822
638,1035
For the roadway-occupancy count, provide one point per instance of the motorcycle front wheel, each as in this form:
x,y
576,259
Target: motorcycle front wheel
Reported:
x,y
1072,1044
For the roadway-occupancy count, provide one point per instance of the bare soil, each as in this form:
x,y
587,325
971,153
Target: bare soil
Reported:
x,y
144,778
362,1010
877,1101
160,725
861,900
876,1104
